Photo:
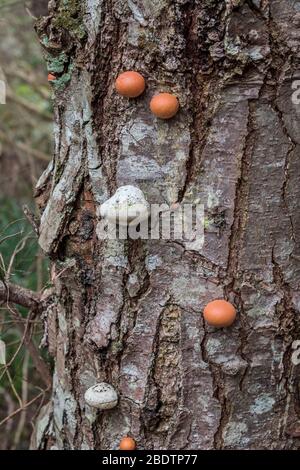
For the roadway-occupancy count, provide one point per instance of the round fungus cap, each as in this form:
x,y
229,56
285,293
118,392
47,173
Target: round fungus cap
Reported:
x,y
125,205
164,105
127,443
219,313
102,396
130,84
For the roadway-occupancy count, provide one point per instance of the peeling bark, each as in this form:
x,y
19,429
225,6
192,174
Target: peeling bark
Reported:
x,y
129,312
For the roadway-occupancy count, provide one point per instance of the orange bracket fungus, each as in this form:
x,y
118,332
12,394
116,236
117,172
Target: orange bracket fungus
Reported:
x,y
219,313
164,105
130,84
51,77
127,443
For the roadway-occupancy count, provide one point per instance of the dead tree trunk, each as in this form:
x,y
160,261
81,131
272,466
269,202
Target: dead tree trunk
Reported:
x,y
129,312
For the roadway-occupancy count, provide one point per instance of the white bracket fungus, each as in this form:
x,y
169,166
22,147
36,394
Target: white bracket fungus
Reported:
x,y
127,204
102,396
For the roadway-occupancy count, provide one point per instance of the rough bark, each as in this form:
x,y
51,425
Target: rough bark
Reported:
x,y
129,312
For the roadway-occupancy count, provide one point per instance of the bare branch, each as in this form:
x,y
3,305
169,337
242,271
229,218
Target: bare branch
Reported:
x,y
19,295
11,382
32,219
22,420
42,394
27,341
18,248
39,363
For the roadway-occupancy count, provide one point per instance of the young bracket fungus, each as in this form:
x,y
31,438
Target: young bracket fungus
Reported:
x,y
102,396
164,105
219,313
125,205
51,77
130,84
127,443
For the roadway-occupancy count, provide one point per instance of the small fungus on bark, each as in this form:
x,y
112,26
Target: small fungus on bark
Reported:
x,y
130,84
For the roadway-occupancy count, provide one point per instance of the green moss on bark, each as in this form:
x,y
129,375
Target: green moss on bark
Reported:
x,y
61,82
56,64
69,17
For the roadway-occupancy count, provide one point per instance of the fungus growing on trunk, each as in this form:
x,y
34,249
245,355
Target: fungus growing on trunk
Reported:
x,y
219,313
127,443
102,396
125,205
164,105
130,84
51,77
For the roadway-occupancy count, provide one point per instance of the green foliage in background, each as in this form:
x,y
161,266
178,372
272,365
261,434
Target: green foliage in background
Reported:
x,y
13,229
26,124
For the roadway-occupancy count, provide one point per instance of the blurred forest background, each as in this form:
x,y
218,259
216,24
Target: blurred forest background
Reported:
x,y
25,150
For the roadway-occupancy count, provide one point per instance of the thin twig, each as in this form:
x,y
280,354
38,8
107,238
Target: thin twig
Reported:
x,y
32,219
13,386
10,236
21,342
42,394
21,321
18,248
22,420
27,341
4,229
7,431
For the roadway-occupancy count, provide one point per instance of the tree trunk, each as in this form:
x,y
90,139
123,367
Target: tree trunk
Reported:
x,y
130,312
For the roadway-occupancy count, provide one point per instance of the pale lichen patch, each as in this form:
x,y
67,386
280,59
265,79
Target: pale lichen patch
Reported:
x,y
236,434
262,404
